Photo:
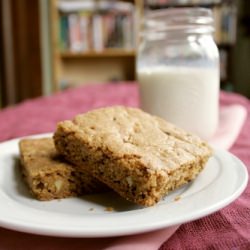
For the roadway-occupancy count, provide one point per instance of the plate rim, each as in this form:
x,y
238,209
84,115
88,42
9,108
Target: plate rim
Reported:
x,y
80,233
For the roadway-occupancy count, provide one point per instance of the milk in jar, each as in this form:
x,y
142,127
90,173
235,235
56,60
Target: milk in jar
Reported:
x,y
187,97
178,69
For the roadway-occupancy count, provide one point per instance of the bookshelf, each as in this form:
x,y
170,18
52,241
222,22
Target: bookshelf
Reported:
x,y
225,20
100,59
105,53
74,66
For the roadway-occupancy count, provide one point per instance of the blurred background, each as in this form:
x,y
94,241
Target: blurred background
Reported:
x,y
50,45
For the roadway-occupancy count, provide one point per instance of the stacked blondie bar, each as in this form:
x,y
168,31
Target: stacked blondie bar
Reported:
x,y
139,156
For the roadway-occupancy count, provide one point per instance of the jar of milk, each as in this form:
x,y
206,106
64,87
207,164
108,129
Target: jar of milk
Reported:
x,y
178,69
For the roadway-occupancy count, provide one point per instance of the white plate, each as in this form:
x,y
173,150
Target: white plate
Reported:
x,y
222,181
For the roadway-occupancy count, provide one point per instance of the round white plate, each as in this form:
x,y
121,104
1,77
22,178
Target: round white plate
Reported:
x,y
222,181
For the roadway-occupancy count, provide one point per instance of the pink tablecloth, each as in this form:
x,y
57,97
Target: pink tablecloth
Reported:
x,y
227,229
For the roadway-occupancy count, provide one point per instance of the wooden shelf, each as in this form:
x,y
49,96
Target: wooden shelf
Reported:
x,y
104,53
91,66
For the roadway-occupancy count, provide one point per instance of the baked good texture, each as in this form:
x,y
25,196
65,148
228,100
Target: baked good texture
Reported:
x,y
49,176
140,156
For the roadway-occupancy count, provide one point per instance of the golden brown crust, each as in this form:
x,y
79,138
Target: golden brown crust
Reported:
x,y
51,177
140,156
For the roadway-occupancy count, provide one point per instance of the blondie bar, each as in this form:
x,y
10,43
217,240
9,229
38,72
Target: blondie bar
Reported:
x,y
49,176
140,156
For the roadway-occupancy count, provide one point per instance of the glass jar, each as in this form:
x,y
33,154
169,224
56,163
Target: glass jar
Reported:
x,y
178,69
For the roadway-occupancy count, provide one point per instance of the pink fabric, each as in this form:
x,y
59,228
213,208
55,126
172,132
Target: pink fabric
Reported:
x,y
147,241
232,118
226,229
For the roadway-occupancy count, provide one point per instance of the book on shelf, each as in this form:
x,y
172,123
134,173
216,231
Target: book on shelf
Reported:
x,y
223,64
97,25
225,22
228,24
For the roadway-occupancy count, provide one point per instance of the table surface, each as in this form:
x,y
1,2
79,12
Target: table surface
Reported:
x,y
228,228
